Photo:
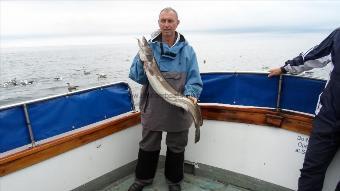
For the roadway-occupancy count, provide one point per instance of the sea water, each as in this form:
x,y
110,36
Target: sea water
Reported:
x,y
51,63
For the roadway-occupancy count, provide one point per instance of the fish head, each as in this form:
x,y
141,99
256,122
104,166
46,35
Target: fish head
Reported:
x,y
145,51
141,51
145,42
140,43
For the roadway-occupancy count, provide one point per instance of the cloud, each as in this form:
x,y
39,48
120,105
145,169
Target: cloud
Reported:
x,y
53,18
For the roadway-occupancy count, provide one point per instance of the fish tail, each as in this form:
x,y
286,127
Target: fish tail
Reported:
x,y
197,134
200,115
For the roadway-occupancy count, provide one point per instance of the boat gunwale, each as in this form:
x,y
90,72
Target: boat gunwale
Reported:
x,y
285,119
289,120
68,94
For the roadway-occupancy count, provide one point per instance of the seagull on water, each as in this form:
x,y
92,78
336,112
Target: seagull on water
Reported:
x,y
26,82
71,88
5,85
86,72
14,82
58,78
101,75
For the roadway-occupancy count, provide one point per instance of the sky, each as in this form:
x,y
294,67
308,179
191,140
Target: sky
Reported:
x,y
51,18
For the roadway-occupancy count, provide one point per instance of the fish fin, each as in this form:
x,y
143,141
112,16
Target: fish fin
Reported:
x,y
197,134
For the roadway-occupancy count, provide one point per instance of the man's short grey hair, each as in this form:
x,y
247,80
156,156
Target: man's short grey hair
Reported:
x,y
168,9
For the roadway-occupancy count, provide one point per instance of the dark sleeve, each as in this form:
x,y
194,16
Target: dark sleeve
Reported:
x,y
323,49
316,57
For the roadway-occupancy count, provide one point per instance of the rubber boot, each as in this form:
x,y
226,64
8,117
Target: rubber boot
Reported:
x,y
174,169
145,169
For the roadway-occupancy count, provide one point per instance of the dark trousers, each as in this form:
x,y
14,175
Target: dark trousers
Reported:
x,y
321,149
338,187
148,155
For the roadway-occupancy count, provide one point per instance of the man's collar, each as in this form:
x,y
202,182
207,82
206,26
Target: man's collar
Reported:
x,y
157,37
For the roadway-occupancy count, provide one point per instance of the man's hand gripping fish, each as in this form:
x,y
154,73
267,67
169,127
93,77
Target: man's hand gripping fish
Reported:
x,y
164,89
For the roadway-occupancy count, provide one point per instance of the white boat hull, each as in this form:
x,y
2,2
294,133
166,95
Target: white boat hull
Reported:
x,y
270,154
78,166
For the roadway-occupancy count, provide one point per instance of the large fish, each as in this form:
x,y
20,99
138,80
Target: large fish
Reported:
x,y
164,89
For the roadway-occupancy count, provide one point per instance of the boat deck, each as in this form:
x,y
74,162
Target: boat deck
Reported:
x,y
190,183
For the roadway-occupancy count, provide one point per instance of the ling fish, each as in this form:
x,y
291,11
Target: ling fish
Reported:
x,y
164,89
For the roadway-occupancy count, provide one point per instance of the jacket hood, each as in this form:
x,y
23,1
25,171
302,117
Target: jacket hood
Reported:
x,y
163,49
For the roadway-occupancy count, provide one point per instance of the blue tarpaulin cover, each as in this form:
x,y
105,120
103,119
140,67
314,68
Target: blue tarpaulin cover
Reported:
x,y
301,94
255,89
13,130
62,114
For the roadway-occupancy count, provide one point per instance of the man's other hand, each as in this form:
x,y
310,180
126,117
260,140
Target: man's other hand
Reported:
x,y
274,72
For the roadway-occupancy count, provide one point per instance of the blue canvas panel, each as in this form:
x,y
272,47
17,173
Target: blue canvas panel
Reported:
x,y
13,130
63,114
301,94
255,90
218,88
239,89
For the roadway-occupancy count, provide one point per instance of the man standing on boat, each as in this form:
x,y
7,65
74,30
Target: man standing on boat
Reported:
x,y
324,139
177,62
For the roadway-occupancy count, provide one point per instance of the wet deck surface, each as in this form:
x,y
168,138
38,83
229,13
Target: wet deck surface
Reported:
x,y
190,183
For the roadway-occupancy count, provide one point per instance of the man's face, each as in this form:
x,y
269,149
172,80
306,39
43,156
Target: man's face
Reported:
x,y
168,23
